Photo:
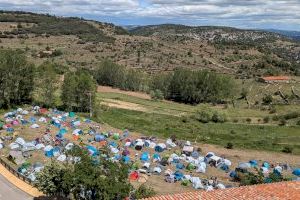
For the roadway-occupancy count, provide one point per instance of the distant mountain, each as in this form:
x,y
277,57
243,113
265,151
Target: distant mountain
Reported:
x,y
291,34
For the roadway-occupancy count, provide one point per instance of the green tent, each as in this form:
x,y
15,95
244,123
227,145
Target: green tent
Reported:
x,y
190,167
71,114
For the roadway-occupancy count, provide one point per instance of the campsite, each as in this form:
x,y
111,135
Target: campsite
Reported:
x,y
32,137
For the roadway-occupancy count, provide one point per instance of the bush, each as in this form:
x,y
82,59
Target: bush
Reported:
x,y
298,123
287,150
248,120
235,120
275,118
268,99
203,116
229,145
282,122
57,52
291,115
144,192
218,118
266,119
156,95
273,110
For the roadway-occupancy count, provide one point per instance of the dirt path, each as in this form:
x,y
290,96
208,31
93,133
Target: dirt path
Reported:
x,y
123,105
106,89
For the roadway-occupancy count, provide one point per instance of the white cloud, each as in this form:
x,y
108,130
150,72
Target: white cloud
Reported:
x,y
188,11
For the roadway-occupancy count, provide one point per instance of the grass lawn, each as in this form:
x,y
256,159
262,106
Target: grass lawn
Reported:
x,y
244,136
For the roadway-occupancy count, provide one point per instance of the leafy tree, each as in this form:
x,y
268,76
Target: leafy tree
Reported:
x,y
78,91
50,180
88,178
46,84
133,80
16,78
110,74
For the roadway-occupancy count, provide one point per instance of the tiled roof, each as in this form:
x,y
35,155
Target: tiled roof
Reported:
x,y
276,78
274,191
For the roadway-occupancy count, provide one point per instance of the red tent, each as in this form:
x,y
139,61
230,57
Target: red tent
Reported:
x,y
134,176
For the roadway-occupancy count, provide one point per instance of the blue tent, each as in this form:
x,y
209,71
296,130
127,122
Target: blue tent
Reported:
x,y
233,174
113,144
156,156
32,120
117,157
10,130
178,175
99,138
145,156
296,172
266,165
224,167
93,150
195,154
49,153
253,163
126,159
158,148
23,121
179,166
63,131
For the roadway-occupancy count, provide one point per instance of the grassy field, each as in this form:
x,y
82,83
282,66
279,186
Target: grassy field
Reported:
x,y
163,118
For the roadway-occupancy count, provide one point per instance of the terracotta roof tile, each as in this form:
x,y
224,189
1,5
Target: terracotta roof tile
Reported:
x,y
276,78
274,191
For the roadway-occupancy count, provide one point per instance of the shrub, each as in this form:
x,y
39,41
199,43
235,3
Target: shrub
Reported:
x,y
203,116
298,123
57,52
266,119
273,110
282,122
156,95
144,192
248,120
275,118
235,120
268,99
287,150
232,132
218,118
291,115
229,145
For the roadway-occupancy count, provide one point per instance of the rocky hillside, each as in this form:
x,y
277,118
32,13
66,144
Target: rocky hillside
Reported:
x,y
75,42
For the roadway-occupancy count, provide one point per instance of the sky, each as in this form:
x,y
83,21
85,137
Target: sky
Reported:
x,y
254,14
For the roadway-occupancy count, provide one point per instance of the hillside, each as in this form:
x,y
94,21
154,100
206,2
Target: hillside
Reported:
x,y
76,42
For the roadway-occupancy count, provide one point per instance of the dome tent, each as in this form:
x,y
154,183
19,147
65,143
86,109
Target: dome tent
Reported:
x,y
145,157
160,147
296,172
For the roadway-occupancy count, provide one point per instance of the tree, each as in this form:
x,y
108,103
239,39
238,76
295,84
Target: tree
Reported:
x,y
89,178
16,78
46,84
50,180
78,91
110,74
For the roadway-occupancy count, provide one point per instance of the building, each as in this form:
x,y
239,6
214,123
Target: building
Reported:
x,y
274,191
275,79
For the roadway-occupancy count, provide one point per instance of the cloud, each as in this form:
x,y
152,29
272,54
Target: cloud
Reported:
x,y
242,13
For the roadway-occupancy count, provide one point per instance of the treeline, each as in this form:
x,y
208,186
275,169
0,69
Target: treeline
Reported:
x,y
51,25
47,85
182,85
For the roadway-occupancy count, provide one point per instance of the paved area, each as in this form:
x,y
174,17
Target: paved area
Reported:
x,y
10,192
12,188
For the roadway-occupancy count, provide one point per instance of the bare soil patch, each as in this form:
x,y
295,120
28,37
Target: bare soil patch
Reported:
x,y
106,89
123,105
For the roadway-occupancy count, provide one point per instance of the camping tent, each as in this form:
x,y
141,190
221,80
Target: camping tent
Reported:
x,y
296,171
144,157
48,151
160,147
